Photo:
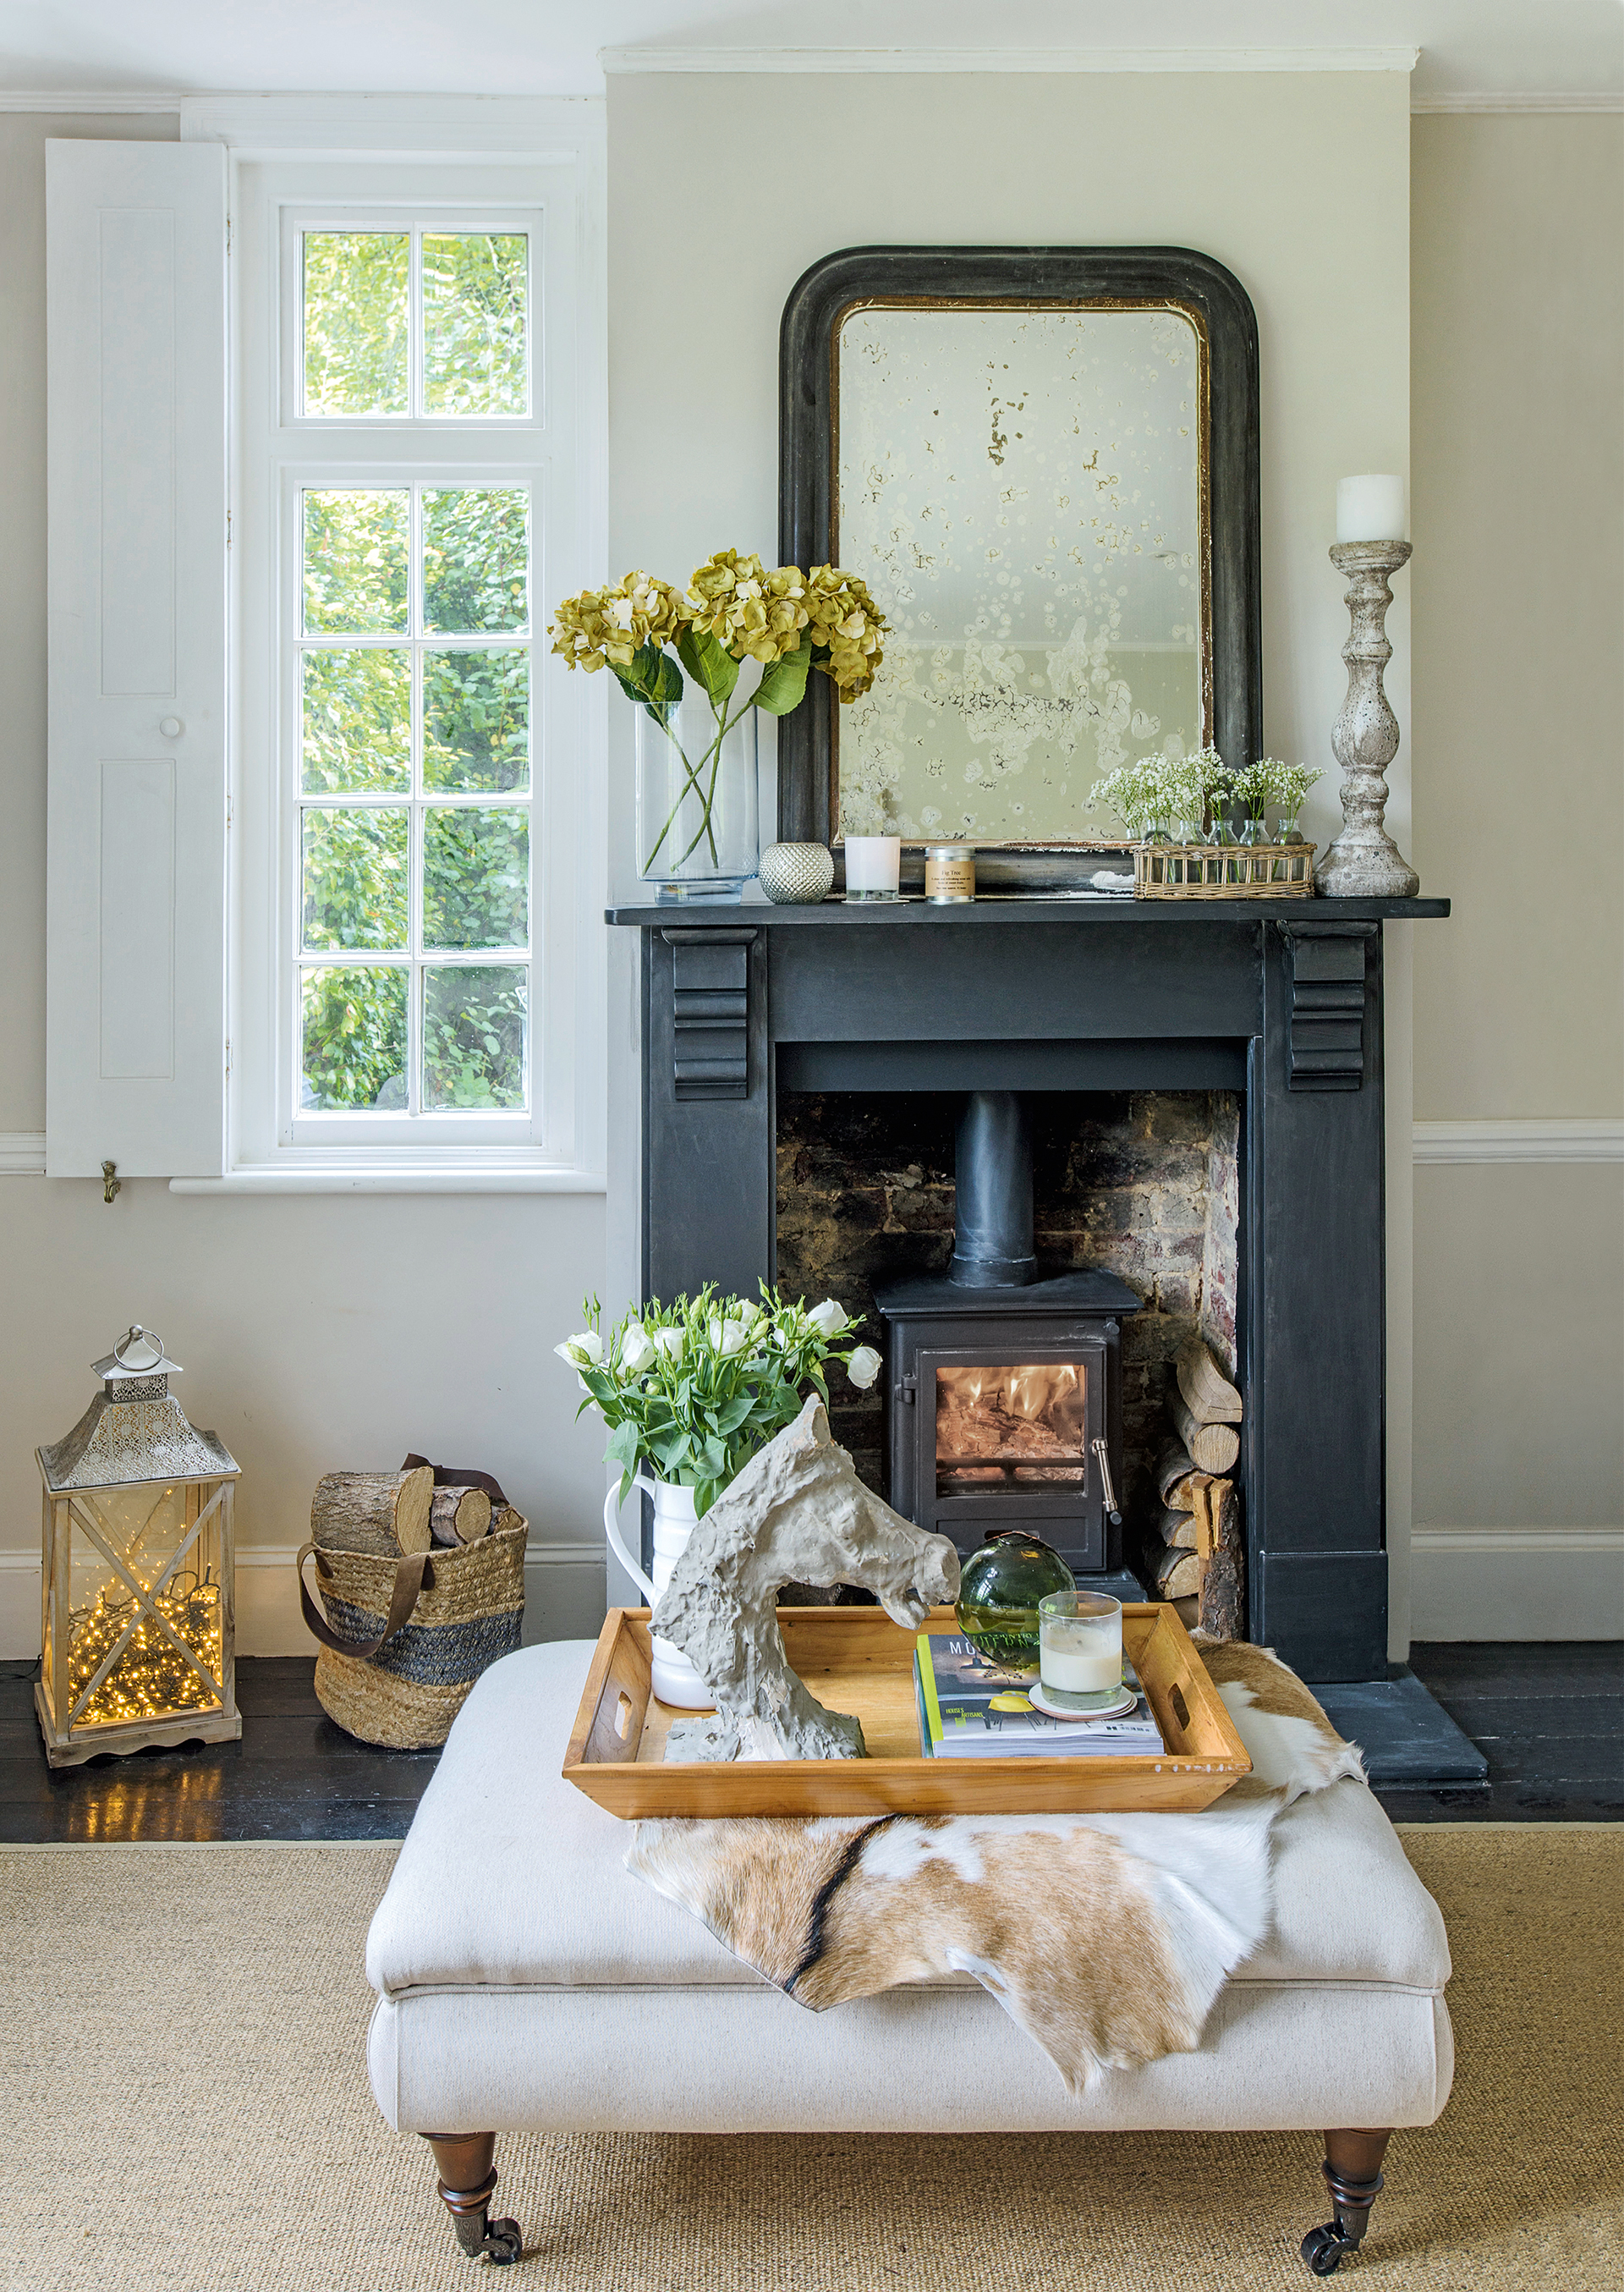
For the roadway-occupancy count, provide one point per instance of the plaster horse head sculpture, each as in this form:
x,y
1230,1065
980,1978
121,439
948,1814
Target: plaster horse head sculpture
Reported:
x,y
797,1514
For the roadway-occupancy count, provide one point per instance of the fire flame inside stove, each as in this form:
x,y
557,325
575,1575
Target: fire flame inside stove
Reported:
x,y
992,1422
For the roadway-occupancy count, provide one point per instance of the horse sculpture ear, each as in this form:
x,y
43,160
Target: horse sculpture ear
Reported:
x,y
812,1426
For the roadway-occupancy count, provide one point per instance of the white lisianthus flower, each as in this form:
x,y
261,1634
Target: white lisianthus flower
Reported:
x,y
733,1337
582,1352
863,1368
668,1341
636,1351
828,1318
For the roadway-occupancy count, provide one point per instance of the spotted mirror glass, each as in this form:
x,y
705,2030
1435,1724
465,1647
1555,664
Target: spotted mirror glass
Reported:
x,y
1024,491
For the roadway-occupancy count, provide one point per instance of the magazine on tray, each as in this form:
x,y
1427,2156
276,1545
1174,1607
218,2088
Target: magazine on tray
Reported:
x,y
971,1707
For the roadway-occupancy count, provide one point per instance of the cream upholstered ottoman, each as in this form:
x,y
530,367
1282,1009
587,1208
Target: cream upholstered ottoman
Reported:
x,y
525,1981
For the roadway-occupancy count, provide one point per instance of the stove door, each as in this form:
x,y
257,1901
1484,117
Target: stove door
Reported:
x,y
1010,1442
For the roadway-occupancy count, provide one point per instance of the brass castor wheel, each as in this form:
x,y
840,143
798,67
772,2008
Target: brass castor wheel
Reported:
x,y
504,2243
498,2241
1325,2248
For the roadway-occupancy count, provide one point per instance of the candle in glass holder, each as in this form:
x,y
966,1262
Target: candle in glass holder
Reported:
x,y
1080,1644
873,866
1369,509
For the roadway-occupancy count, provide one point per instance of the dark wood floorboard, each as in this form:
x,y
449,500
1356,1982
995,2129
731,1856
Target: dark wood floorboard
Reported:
x,y
1549,1719
1548,1716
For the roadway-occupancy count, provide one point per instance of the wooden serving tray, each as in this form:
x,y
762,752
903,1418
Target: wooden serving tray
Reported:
x,y
857,1660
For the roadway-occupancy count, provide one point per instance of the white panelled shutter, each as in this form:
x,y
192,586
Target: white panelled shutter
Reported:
x,y
135,998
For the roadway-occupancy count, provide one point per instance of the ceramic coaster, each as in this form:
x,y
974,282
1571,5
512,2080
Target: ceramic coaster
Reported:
x,y
1124,1703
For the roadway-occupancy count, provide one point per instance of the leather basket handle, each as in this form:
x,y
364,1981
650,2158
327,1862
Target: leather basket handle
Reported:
x,y
413,1574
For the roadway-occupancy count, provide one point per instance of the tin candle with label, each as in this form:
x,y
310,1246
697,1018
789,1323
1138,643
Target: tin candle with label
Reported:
x,y
950,873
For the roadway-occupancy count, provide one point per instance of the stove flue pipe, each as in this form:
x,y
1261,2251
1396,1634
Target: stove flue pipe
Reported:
x,y
993,1202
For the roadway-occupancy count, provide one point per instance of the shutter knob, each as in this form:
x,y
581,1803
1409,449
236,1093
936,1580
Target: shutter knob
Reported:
x,y
170,727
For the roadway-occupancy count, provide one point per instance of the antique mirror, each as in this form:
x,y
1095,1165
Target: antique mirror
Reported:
x,y
1044,463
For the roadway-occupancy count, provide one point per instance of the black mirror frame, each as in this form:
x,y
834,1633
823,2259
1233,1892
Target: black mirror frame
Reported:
x,y
1064,276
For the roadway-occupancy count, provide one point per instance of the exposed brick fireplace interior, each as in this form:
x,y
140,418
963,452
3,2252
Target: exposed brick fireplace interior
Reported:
x,y
1143,1185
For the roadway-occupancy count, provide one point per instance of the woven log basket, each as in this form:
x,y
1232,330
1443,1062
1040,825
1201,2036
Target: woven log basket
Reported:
x,y
404,1640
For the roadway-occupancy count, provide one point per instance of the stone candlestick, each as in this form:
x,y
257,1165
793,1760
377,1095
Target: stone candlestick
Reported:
x,y
1364,862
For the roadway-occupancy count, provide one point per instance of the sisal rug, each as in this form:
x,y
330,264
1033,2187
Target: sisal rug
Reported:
x,y
186,2111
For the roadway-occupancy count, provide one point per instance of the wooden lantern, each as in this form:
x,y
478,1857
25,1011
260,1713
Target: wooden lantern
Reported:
x,y
137,1612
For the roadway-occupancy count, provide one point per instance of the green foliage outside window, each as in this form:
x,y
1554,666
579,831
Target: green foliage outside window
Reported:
x,y
475,542
358,721
356,700
475,878
474,1037
475,289
476,721
355,1036
357,879
355,562
356,302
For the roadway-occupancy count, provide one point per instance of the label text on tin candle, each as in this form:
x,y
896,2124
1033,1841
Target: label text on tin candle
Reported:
x,y
950,878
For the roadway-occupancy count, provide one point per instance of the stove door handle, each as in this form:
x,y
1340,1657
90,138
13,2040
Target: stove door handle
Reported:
x,y
1103,1454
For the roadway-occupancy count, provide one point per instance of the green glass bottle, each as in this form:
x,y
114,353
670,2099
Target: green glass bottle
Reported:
x,y
999,1590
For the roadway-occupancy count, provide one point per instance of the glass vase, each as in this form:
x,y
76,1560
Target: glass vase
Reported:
x,y
1254,831
1286,831
697,828
999,1590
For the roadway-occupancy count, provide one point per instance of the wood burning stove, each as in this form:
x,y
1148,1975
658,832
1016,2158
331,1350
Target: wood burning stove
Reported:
x,y
1004,1389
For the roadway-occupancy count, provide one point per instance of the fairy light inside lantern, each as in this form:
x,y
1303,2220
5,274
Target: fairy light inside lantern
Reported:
x,y
137,1576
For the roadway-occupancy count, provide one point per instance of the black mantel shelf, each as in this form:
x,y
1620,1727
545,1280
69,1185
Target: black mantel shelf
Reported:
x,y
1104,909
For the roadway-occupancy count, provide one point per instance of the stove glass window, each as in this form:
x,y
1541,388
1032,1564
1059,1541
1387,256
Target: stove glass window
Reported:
x,y
1000,1426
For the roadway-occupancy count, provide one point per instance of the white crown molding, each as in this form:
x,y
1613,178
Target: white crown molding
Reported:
x,y
79,100
617,61
22,1153
1520,1139
1517,99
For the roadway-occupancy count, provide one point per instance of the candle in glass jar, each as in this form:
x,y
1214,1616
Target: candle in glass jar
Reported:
x,y
1371,509
1080,1641
873,866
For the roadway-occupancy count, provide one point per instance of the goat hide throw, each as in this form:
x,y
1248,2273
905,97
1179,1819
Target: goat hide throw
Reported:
x,y
1106,1937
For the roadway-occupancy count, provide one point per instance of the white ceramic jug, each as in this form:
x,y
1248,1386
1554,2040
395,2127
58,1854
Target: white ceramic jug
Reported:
x,y
674,1678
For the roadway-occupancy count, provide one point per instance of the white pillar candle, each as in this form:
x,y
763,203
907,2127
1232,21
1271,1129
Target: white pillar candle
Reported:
x,y
1371,509
873,863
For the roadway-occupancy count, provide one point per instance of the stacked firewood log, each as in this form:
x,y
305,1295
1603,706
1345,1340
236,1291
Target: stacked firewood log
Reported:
x,y
1193,1553
389,1514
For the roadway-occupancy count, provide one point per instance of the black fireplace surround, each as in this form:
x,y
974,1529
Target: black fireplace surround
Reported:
x,y
1280,1003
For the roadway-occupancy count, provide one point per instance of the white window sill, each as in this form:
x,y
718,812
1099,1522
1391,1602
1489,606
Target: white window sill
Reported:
x,y
472,1178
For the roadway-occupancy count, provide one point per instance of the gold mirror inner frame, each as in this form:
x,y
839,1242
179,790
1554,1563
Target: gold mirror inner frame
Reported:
x,y
1024,488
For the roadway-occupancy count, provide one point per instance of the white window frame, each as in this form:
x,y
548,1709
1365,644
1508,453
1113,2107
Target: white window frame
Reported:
x,y
514,163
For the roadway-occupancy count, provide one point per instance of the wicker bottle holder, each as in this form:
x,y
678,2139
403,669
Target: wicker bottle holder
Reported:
x,y
1223,871
404,1640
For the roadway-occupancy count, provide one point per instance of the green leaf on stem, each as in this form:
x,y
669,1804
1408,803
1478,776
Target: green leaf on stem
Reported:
x,y
708,662
652,679
783,685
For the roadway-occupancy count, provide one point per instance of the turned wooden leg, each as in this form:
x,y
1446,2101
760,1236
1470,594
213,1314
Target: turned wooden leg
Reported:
x,y
467,2183
1352,2174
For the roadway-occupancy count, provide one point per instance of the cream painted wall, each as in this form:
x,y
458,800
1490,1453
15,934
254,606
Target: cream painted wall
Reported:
x,y
1298,183
1517,316
315,1332
1517,279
